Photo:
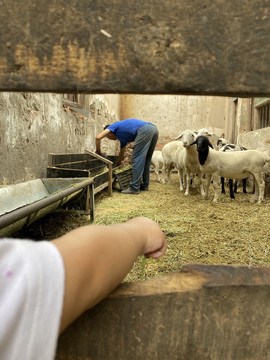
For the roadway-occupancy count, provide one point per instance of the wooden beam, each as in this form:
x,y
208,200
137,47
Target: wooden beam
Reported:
x,y
203,312
109,163
148,47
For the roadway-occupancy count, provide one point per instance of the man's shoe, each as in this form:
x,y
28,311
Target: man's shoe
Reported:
x,y
130,191
144,188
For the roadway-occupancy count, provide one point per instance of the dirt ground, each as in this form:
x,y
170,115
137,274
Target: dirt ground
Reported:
x,y
197,231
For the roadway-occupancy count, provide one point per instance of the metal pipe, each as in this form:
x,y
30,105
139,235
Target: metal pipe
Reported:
x,y
10,218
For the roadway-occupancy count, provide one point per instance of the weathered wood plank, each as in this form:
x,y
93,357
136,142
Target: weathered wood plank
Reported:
x,y
204,312
55,172
83,165
154,46
55,159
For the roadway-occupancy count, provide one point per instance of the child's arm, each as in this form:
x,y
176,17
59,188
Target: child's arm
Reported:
x,y
97,258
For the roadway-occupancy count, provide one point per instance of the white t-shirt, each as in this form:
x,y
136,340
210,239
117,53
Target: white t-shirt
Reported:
x,y
31,299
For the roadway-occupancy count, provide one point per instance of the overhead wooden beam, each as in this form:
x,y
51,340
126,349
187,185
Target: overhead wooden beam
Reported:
x,y
203,312
150,47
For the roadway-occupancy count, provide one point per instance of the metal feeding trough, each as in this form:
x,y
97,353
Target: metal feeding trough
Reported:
x,y
123,177
24,203
100,168
83,165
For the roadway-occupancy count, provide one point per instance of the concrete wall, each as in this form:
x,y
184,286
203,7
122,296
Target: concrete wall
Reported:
x,y
32,125
241,124
36,124
173,114
257,139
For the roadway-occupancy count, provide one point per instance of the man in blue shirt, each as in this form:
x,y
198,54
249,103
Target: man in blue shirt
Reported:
x,y
145,136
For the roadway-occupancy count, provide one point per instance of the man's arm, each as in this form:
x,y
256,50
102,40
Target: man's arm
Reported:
x,y
120,156
97,258
100,136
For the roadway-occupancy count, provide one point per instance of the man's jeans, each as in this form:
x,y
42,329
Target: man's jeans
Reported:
x,y
144,146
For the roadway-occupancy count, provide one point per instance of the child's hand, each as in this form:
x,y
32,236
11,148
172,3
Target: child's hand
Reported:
x,y
155,242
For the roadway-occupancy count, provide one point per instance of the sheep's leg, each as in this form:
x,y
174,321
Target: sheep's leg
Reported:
x,y
208,181
169,169
215,185
180,176
192,180
187,182
184,179
259,188
164,170
222,185
256,191
200,183
157,172
231,188
235,187
245,186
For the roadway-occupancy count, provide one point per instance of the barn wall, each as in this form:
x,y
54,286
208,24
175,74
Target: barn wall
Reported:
x,y
36,124
241,124
173,114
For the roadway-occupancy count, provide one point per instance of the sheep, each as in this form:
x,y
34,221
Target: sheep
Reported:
x,y
169,153
266,170
221,142
235,165
232,147
204,132
181,169
157,162
188,160
216,141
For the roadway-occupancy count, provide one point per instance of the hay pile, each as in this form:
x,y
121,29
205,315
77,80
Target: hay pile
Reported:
x,y
197,231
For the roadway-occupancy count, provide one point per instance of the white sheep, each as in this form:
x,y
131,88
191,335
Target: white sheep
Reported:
x,y
233,165
181,169
233,189
157,162
221,142
204,132
266,170
188,160
170,152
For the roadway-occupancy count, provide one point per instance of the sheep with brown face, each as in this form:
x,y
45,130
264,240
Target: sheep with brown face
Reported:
x,y
233,165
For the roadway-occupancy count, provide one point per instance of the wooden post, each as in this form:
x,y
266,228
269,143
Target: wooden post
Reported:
x,y
92,202
109,163
51,159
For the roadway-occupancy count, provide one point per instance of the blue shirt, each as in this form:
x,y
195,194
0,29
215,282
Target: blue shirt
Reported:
x,y
126,130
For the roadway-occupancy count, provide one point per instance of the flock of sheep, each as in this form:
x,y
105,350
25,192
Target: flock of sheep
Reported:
x,y
196,154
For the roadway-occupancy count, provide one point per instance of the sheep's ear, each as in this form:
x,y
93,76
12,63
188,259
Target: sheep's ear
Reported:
x,y
210,144
194,142
178,137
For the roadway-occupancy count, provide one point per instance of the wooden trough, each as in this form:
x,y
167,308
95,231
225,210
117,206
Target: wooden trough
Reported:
x,y
24,203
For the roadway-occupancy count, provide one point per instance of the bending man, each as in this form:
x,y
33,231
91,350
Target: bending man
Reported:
x,y
145,136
